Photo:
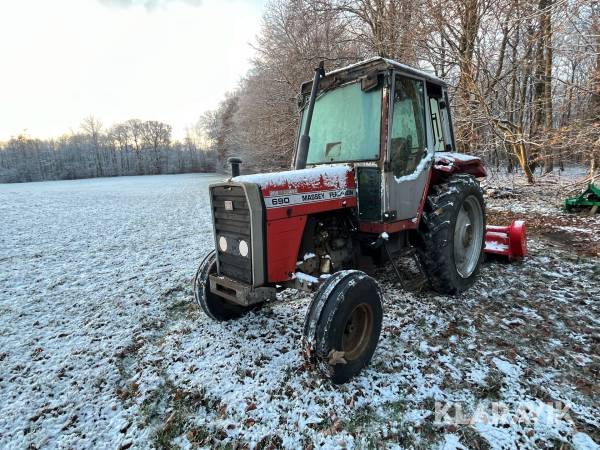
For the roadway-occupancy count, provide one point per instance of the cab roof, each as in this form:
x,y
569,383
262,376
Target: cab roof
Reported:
x,y
366,67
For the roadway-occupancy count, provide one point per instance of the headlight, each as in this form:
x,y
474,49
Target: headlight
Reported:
x,y
243,248
223,244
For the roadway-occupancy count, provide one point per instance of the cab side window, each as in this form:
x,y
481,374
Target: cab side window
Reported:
x,y
438,108
437,124
408,145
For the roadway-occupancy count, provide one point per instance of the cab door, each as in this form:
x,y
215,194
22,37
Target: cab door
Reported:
x,y
409,155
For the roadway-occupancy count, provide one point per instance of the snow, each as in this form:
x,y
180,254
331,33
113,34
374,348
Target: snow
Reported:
x,y
477,375
306,277
102,346
450,156
582,441
495,246
333,176
424,163
576,229
85,267
452,442
508,369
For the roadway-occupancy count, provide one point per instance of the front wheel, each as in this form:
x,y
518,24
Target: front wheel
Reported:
x,y
452,234
343,324
215,307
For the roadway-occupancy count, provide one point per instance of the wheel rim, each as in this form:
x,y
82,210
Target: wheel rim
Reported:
x,y
357,331
468,236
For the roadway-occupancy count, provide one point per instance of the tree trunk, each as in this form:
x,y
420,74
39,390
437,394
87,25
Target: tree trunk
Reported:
x,y
548,55
595,100
520,152
470,27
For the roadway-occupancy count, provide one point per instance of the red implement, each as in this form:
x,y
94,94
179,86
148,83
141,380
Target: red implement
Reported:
x,y
510,241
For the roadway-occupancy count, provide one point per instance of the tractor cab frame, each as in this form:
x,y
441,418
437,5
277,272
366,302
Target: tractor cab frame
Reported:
x,y
399,117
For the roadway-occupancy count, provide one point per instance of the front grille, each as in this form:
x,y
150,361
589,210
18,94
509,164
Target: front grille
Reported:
x,y
234,226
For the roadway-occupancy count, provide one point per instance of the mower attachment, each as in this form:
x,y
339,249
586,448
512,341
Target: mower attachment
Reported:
x,y
590,197
510,241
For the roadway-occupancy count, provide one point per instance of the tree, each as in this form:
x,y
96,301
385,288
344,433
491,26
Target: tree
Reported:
x,y
130,148
156,135
92,127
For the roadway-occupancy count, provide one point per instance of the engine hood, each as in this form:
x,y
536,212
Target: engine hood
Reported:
x,y
323,178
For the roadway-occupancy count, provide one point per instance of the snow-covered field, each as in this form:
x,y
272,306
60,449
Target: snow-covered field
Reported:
x,y
101,345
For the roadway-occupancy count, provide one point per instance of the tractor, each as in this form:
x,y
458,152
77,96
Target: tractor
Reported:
x,y
375,175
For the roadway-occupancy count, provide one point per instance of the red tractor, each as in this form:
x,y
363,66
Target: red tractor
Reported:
x,y
374,176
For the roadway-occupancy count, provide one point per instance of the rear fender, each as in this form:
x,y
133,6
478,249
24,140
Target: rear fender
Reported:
x,y
447,163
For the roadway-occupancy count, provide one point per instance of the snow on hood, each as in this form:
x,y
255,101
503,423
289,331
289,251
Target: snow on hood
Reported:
x,y
334,176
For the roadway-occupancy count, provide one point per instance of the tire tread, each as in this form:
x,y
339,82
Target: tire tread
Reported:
x,y
434,233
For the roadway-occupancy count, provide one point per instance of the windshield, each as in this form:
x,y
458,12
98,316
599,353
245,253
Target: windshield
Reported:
x,y
345,126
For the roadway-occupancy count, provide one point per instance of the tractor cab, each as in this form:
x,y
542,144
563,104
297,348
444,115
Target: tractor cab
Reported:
x,y
385,118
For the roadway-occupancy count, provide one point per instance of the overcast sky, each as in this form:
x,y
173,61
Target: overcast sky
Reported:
x,y
167,60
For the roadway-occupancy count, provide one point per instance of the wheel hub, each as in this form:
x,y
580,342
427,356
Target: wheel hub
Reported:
x,y
468,237
357,331
467,234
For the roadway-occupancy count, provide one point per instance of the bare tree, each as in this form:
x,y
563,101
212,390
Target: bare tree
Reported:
x,y
130,148
156,135
92,127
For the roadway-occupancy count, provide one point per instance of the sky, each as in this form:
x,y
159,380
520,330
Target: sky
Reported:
x,y
167,60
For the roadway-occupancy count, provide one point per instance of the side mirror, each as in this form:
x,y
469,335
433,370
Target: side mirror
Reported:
x,y
442,104
300,101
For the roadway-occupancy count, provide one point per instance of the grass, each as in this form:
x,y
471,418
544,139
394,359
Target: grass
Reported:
x,y
182,405
360,420
492,387
472,439
170,413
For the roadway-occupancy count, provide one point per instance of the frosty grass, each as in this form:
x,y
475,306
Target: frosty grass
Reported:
x,y
101,345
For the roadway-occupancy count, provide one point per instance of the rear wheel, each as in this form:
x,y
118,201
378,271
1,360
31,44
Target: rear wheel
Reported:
x,y
215,307
343,324
452,234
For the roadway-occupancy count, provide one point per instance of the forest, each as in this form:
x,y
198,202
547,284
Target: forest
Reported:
x,y
524,75
134,147
524,78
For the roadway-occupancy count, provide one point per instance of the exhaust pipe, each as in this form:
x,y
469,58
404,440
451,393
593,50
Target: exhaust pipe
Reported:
x,y
304,141
235,166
